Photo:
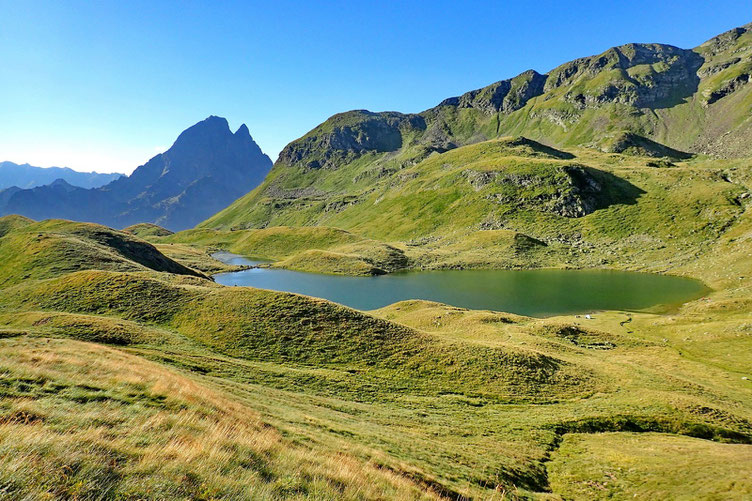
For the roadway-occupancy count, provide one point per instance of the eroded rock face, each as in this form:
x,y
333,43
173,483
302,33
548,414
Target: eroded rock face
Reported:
x,y
725,41
639,75
348,136
504,96
569,191
581,197
728,87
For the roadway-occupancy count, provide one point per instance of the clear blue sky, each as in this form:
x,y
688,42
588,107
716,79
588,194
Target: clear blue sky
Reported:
x,y
105,85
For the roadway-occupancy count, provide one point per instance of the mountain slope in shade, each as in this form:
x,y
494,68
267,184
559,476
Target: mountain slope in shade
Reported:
x,y
26,176
206,169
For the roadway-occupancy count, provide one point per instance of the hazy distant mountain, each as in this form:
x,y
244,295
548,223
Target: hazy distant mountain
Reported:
x,y
206,169
27,176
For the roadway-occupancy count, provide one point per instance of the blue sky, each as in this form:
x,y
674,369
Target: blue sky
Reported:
x,y
106,85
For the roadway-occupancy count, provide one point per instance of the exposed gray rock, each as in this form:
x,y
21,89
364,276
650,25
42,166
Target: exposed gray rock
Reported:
x,y
504,96
347,136
728,87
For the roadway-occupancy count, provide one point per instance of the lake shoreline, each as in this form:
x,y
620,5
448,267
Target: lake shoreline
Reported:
x,y
541,293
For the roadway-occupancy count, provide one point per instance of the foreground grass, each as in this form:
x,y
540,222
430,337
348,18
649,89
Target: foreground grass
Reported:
x,y
440,400
650,466
82,421
459,401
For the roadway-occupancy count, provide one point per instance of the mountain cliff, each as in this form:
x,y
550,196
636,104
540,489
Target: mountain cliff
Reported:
x,y
206,168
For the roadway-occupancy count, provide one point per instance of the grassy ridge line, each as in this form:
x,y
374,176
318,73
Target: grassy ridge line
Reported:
x,y
35,250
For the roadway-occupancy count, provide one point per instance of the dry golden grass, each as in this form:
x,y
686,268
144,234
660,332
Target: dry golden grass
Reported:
x,y
84,421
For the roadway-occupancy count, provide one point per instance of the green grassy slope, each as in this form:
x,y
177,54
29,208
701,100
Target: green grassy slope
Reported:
x,y
415,399
649,100
31,250
648,466
127,374
330,250
510,203
83,421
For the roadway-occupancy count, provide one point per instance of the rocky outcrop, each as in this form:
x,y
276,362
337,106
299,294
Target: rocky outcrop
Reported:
x,y
581,197
347,136
504,96
727,87
639,75
569,191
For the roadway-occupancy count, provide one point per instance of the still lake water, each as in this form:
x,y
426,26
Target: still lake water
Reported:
x,y
536,293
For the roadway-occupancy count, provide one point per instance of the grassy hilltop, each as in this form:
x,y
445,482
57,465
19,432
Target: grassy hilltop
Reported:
x,y
127,373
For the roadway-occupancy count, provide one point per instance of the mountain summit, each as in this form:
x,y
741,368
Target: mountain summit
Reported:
x,y
206,168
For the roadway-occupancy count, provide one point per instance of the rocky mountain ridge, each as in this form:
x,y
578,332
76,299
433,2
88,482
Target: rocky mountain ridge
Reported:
x,y
641,100
639,89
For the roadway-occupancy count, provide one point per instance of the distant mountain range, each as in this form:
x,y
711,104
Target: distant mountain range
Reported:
x,y
206,168
26,176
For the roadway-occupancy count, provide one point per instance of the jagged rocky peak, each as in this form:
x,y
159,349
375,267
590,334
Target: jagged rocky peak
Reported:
x,y
207,167
211,133
503,96
206,148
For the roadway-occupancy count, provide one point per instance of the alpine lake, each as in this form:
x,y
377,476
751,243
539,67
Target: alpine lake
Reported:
x,y
535,293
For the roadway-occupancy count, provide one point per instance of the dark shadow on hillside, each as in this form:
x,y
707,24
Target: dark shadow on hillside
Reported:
x,y
138,251
538,147
629,143
612,189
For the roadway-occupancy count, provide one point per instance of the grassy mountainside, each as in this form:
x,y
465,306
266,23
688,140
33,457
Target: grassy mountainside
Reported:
x,y
651,100
128,374
508,202
154,384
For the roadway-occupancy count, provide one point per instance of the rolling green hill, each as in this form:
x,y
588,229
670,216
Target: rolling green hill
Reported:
x,y
31,250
